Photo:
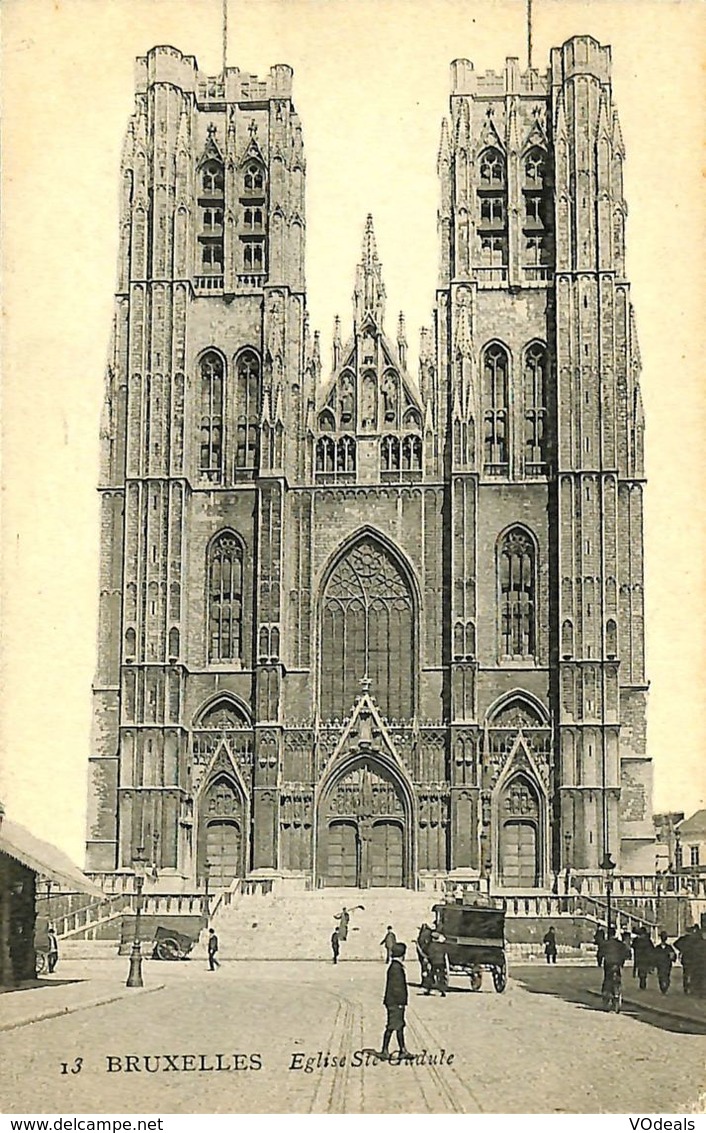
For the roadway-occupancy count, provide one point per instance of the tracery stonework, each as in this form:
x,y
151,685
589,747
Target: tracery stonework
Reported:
x,y
371,616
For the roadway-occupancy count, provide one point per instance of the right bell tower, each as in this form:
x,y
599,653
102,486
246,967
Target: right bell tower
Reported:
x,y
539,438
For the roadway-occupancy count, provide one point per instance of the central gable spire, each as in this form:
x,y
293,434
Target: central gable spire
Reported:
x,y
369,294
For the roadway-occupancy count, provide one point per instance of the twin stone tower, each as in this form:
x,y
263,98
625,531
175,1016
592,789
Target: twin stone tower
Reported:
x,y
383,622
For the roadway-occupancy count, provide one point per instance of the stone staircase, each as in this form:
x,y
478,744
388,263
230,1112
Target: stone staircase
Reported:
x,y
299,926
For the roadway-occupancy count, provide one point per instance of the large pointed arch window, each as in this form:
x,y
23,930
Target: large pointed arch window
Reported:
x,y
247,409
211,449
535,397
225,597
367,631
517,594
495,408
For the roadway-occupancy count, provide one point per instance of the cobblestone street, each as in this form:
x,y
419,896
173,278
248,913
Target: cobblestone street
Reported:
x,y
543,1046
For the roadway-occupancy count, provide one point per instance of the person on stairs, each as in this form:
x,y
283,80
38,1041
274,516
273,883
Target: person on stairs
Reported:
x,y
395,1001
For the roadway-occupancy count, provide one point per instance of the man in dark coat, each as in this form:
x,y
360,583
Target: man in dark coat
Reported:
x,y
599,941
550,948
335,945
686,946
664,958
644,953
437,975
387,942
424,939
695,958
53,952
613,956
213,961
395,1001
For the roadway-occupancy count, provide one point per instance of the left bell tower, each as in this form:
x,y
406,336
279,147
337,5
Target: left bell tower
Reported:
x,y
205,399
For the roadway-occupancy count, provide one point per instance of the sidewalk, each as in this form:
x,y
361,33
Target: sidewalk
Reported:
x,y
674,1003
72,989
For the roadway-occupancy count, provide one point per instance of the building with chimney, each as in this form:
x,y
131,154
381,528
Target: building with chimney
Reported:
x,y
380,622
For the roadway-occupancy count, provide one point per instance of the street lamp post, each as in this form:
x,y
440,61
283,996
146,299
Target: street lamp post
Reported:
x,y
677,876
608,865
134,978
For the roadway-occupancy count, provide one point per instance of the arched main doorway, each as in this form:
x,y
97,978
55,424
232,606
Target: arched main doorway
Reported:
x,y
221,826
519,834
364,827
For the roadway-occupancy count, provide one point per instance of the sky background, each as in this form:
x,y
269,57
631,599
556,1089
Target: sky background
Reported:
x,y
371,85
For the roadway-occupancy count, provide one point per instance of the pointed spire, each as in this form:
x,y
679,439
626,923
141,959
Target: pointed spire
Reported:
x,y
618,144
428,418
337,344
279,407
444,155
369,294
603,120
402,341
316,355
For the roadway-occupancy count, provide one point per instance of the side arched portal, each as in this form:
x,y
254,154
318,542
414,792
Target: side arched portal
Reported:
x,y
364,828
520,834
222,834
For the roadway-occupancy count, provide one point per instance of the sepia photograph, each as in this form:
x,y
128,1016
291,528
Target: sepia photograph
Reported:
x,y
352,720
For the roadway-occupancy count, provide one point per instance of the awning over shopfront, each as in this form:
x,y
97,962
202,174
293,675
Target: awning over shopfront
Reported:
x,y
44,859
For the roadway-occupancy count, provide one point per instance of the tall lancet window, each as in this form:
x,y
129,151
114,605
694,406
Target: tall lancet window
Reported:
x,y
517,596
496,366
225,598
492,213
247,409
367,631
211,205
253,239
537,215
535,395
211,376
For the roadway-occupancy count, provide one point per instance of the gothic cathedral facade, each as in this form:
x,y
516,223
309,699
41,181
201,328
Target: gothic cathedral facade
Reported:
x,y
383,623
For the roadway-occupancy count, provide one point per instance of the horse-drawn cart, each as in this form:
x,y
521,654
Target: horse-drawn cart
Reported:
x,y
172,945
474,932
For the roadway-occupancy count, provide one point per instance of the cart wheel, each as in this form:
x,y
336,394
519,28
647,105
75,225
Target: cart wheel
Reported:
x,y
41,964
476,979
168,949
500,979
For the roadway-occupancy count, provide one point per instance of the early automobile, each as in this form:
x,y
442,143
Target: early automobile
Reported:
x,y
474,929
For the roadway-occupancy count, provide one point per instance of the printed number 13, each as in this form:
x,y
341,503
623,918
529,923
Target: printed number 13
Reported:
x,y
75,1069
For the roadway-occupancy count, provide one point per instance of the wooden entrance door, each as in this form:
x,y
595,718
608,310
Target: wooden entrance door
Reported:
x,y
223,851
342,854
519,855
386,855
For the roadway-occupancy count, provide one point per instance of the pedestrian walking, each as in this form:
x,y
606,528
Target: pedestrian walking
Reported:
x,y
550,949
665,956
698,963
387,942
213,961
423,941
686,945
395,1001
53,950
437,976
335,945
644,953
599,941
614,954
343,919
